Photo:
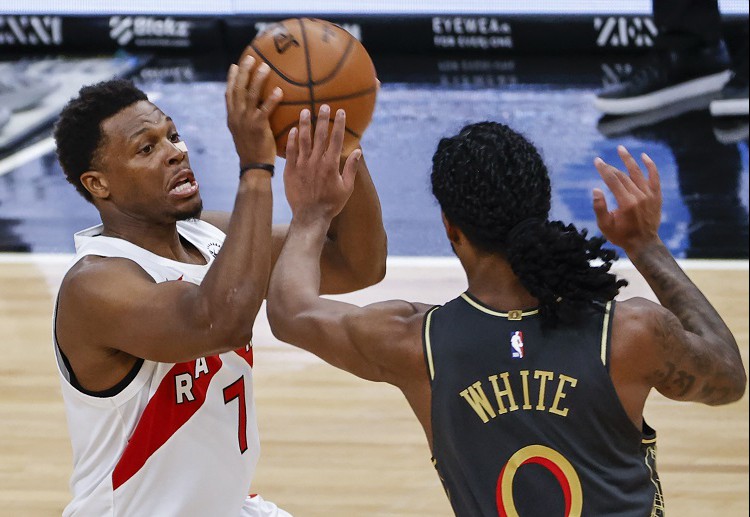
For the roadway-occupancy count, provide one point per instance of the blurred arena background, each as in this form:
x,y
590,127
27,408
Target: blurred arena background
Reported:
x,y
335,445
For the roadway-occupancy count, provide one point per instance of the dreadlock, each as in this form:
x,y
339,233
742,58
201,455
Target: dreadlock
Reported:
x,y
493,185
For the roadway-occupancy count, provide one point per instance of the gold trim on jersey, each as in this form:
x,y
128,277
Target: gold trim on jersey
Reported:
x,y
514,315
658,508
427,344
605,331
553,461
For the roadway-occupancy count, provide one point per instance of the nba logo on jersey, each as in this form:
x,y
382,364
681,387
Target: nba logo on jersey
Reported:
x,y
516,344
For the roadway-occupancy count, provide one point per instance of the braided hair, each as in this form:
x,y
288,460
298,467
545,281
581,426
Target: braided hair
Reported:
x,y
78,133
492,184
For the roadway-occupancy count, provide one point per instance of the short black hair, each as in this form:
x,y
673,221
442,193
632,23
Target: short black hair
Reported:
x,y
78,133
492,183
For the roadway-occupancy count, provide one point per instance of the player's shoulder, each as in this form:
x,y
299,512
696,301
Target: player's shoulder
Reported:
x,y
217,219
398,325
639,319
400,320
401,311
93,273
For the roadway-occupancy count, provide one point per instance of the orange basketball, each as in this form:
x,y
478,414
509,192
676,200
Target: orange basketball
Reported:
x,y
316,62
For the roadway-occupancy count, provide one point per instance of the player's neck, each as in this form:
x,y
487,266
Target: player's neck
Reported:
x,y
159,239
493,282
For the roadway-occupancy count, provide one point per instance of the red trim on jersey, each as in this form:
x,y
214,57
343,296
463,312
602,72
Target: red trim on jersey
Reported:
x,y
549,465
559,474
246,353
162,417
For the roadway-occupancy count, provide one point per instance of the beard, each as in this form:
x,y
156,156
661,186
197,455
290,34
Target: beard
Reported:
x,y
191,213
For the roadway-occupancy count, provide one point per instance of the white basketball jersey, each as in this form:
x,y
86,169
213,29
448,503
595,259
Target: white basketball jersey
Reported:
x,y
177,439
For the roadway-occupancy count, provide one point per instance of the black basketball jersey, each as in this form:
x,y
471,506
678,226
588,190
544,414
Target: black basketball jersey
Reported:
x,y
526,421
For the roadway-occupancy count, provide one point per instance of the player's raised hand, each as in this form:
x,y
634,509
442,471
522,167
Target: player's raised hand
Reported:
x,y
247,117
315,186
635,221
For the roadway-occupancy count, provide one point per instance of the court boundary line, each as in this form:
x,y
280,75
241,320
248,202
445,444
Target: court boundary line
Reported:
x,y
405,261
692,264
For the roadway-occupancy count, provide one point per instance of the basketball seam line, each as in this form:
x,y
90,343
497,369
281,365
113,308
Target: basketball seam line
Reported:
x,y
279,72
333,99
309,67
310,82
340,63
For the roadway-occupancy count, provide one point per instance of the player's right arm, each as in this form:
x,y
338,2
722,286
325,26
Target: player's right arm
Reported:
x,y
110,306
380,342
682,347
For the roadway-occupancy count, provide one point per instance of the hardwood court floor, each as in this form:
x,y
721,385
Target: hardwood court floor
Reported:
x,y
335,445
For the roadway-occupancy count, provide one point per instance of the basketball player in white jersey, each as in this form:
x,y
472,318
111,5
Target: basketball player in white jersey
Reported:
x,y
154,319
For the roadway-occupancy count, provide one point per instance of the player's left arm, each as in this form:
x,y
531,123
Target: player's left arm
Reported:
x,y
683,348
355,246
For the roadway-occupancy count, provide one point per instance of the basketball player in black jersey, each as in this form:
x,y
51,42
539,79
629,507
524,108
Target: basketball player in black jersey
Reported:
x,y
531,385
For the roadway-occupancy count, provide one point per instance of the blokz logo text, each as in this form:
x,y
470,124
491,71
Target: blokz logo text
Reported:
x,y
150,31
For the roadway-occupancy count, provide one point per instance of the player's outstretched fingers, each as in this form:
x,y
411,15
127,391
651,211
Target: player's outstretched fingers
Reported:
x,y
636,174
351,166
255,87
239,89
321,130
229,92
654,181
337,136
272,102
292,146
305,137
604,217
614,179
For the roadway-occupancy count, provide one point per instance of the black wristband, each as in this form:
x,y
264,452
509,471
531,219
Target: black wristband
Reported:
x,y
262,166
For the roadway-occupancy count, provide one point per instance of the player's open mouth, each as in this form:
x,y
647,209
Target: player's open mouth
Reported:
x,y
184,188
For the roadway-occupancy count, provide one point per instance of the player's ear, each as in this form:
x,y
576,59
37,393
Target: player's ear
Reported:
x,y
96,183
451,231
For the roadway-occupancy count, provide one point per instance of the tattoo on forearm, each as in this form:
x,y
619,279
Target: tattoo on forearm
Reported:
x,y
683,382
705,363
677,293
707,391
661,376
